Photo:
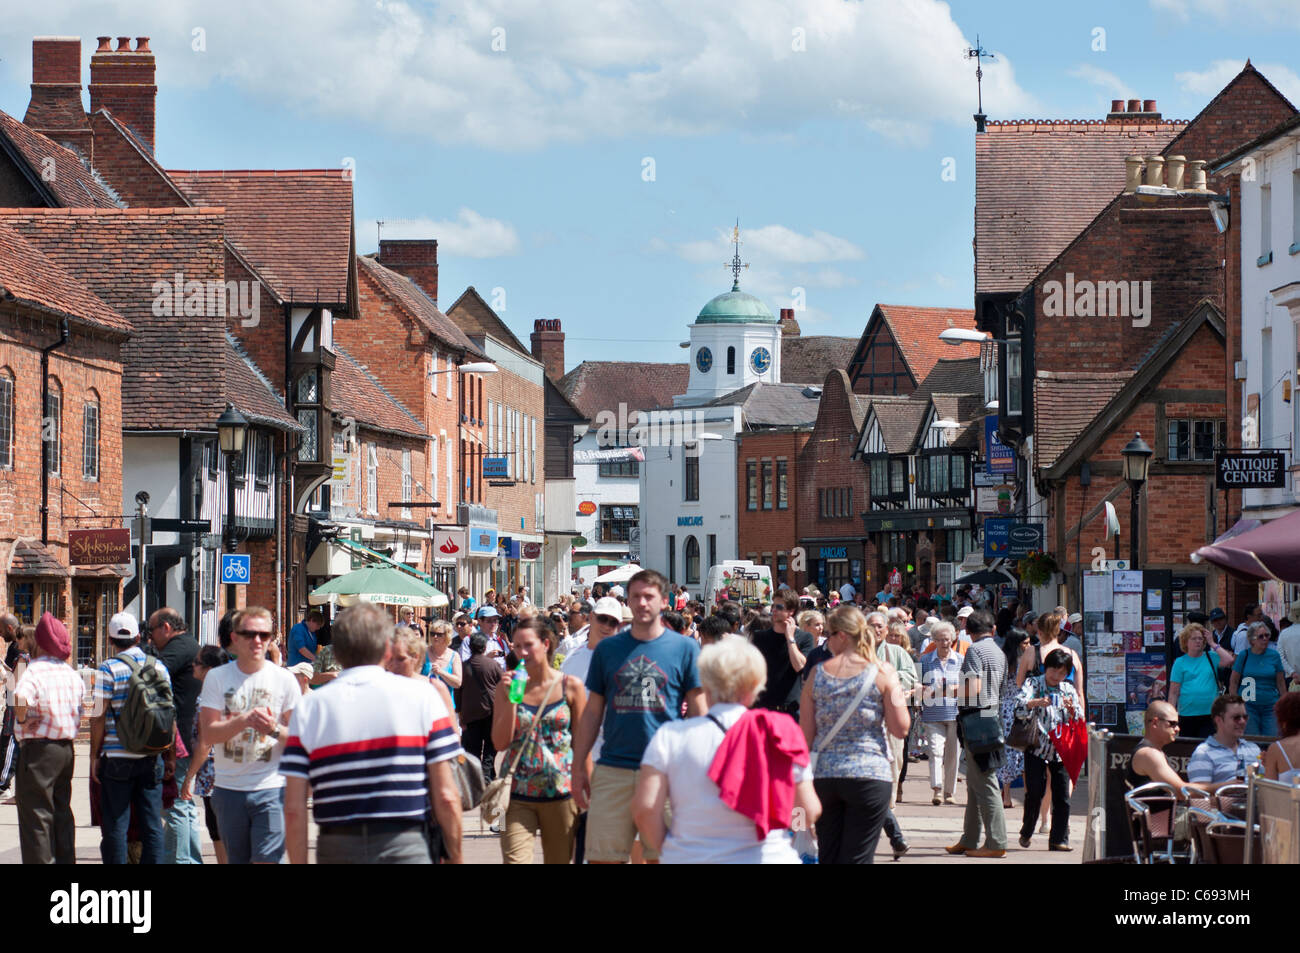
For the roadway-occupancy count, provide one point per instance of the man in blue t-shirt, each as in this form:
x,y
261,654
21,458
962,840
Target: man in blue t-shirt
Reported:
x,y
302,639
637,681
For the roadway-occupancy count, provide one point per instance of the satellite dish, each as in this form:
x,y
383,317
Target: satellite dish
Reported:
x,y
1112,520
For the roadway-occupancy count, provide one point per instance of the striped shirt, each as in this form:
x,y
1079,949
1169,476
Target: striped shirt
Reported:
x,y
365,745
1213,762
940,677
113,678
54,693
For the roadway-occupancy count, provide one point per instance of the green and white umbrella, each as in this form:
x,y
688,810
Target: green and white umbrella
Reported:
x,y
379,584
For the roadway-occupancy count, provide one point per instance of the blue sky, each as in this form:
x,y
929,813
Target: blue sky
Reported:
x,y
518,134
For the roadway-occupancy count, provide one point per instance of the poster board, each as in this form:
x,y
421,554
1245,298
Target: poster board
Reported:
x,y
1127,634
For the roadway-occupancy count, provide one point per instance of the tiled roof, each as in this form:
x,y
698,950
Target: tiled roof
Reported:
x,y
31,558
175,367
358,394
164,182
73,185
595,386
959,375
1038,184
916,332
295,225
900,420
805,360
1065,404
416,303
772,405
32,278
475,317
967,410
250,391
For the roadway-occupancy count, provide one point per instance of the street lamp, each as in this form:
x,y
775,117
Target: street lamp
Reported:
x,y
478,367
1137,461
232,433
959,336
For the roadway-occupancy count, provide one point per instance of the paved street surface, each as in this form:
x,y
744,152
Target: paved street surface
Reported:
x,y
928,829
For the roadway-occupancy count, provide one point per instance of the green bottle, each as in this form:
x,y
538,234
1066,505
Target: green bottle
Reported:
x,y
518,682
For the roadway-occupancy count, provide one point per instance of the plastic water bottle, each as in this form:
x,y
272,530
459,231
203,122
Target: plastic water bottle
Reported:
x,y
518,683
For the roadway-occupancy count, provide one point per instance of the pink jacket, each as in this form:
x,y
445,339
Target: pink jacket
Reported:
x,y
754,768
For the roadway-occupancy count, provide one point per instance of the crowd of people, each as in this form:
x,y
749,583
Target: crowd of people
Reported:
x,y
627,724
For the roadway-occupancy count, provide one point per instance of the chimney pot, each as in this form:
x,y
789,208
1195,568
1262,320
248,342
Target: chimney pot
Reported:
x,y
1197,167
1135,105
1155,170
547,345
123,44
142,44
105,44
1132,174
1148,105
1175,167
1117,105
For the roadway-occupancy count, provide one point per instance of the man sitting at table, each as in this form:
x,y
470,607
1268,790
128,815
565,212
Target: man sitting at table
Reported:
x,y
1225,756
1159,729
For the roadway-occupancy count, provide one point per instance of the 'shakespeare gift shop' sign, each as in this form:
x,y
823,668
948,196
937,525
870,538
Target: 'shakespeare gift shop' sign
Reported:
x,y
99,547
1237,471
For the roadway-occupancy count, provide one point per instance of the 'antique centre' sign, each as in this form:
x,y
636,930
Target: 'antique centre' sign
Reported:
x,y
1238,471
99,547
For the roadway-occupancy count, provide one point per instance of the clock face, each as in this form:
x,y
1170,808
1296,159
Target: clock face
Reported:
x,y
704,360
761,359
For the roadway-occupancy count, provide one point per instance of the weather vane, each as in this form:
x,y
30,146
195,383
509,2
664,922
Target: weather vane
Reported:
x,y
736,264
978,54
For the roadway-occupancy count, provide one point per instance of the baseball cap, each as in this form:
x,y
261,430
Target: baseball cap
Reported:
x,y
609,606
627,613
1075,617
123,627
1216,614
965,611
487,612
617,591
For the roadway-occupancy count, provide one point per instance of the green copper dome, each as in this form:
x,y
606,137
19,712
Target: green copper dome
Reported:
x,y
736,307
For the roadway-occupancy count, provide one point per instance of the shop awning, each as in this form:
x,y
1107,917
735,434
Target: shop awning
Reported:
x,y
1268,551
598,561
379,584
352,546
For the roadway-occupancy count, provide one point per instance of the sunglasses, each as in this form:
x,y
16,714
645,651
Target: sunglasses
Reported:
x,y
1237,717
1172,724
607,620
250,635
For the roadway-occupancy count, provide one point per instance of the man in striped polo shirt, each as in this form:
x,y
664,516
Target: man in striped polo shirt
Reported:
x,y
375,748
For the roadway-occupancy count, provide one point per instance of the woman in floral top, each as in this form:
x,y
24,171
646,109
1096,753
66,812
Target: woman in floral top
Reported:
x,y
1052,701
540,794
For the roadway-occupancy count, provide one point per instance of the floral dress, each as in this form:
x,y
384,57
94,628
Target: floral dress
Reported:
x,y
1013,760
545,770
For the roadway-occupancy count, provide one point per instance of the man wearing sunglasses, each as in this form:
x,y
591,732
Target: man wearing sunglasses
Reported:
x,y
1149,762
245,711
1225,756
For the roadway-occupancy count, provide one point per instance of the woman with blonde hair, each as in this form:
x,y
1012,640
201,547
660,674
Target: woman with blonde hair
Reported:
x,y
1194,680
1049,640
444,661
849,704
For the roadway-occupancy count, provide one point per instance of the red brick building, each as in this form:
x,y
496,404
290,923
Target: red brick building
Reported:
x,y
767,505
900,346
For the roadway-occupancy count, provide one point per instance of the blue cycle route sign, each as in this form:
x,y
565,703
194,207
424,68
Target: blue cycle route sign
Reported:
x,y
236,569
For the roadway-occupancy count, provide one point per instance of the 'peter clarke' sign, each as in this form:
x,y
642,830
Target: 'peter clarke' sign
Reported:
x,y
1236,471
98,547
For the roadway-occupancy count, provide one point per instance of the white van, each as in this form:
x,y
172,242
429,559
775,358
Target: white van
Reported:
x,y
740,580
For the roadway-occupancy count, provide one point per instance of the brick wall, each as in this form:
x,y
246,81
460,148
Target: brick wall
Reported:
x,y
127,172
517,502
769,530
824,462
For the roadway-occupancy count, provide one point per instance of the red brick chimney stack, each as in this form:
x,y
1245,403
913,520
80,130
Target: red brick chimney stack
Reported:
x,y
122,81
415,258
789,326
547,345
1138,110
56,109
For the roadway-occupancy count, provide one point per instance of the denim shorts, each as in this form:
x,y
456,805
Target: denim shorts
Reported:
x,y
251,824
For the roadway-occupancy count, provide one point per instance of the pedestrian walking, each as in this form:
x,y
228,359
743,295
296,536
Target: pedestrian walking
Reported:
x,y
172,644
478,692
48,702
198,781
940,676
785,649
1014,644
377,750
897,657
850,704
536,734
1051,701
737,778
245,709
1257,675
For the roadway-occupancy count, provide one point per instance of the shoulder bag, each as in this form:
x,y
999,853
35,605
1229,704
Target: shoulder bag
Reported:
x,y
826,739
1026,734
496,799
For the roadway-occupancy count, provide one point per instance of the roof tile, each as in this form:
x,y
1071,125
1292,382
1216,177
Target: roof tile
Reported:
x,y
415,302
1065,404
595,386
31,277
358,394
916,332
805,360
72,183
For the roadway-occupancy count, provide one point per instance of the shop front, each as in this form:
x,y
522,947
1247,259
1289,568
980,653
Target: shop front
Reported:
x,y
833,562
518,565
909,546
482,544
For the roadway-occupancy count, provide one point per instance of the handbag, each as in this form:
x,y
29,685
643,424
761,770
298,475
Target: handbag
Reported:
x,y
469,781
1026,734
496,799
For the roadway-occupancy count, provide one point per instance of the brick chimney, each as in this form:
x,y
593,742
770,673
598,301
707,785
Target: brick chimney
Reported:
x,y
547,345
122,81
55,109
416,258
1139,110
789,326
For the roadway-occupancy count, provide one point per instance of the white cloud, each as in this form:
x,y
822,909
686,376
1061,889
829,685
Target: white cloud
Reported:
x,y
469,235
1243,12
1103,78
1209,81
569,72
768,244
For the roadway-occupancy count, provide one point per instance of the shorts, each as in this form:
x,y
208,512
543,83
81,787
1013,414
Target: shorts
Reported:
x,y
610,827
210,815
251,824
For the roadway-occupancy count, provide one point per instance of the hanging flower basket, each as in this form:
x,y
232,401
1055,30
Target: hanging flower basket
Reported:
x,y
1037,569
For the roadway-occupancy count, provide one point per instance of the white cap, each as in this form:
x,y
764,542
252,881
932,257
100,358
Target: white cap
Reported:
x,y
965,611
123,627
609,606
617,591
1074,617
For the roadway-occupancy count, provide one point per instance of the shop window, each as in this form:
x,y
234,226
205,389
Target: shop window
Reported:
x,y
616,523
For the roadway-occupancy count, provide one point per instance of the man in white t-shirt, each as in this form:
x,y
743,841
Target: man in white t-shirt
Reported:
x,y
847,592
244,713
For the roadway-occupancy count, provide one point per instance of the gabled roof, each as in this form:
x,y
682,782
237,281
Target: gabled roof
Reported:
x,y
27,275
174,374
358,394
476,318
595,386
143,153
413,300
805,360
250,391
959,375
772,405
1072,413
899,419
966,410
54,169
558,408
294,225
1038,184
1248,74
916,333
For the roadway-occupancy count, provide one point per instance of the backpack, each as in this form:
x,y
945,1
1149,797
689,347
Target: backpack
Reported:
x,y
146,723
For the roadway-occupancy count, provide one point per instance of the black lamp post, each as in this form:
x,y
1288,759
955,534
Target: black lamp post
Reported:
x,y
232,431
1137,461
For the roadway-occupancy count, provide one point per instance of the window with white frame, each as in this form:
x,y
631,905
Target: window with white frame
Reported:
x,y
90,438
52,426
6,419
406,483
492,430
372,479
